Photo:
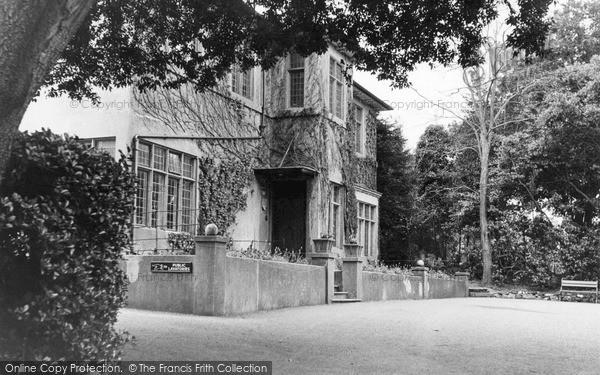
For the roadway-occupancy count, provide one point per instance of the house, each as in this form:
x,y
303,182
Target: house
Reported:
x,y
275,158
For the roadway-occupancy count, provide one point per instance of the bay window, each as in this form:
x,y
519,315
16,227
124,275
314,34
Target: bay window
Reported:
x,y
166,188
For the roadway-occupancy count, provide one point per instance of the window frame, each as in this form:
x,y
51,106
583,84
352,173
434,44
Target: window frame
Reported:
x,y
367,227
335,217
93,142
337,82
162,182
360,128
238,81
294,70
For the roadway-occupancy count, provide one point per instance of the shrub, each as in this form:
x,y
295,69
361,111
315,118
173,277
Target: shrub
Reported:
x,y
64,220
537,253
383,268
276,255
181,243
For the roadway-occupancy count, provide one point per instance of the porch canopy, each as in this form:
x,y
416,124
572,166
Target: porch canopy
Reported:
x,y
286,173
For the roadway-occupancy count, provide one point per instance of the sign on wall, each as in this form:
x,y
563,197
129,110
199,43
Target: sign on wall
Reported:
x,y
171,267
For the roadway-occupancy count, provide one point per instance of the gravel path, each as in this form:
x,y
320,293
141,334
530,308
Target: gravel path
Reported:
x,y
450,336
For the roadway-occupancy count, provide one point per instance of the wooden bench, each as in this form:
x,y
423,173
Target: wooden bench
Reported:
x,y
578,287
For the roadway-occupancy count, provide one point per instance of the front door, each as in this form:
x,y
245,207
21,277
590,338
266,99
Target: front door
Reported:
x,y
289,216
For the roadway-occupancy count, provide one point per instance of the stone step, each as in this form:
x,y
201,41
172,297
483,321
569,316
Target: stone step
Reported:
x,y
340,295
477,289
480,294
345,300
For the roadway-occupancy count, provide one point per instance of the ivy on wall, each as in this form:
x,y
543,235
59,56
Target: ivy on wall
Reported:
x,y
306,137
222,190
367,172
356,171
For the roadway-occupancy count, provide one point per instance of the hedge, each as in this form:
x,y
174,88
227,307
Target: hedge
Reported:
x,y
65,213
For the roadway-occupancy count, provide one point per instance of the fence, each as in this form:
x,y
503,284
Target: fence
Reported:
x,y
160,237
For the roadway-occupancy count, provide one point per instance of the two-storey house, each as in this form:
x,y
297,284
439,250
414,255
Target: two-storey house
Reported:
x,y
275,158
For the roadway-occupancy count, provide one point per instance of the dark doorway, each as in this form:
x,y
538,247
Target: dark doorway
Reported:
x,y
289,216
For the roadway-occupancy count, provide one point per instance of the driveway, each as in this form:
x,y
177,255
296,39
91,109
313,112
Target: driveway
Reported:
x,y
444,336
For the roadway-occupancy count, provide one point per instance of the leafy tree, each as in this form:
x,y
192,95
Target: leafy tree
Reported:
x,y
544,184
395,181
490,115
64,221
155,43
575,33
559,167
434,167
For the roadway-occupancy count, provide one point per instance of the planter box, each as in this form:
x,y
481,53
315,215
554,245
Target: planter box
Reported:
x,y
323,245
353,250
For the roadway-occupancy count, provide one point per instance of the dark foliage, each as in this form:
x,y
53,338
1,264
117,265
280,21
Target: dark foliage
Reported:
x,y
64,220
395,181
156,43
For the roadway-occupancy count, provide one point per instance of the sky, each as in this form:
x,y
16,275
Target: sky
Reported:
x,y
435,97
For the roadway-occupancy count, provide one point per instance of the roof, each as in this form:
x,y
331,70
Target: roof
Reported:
x,y
370,99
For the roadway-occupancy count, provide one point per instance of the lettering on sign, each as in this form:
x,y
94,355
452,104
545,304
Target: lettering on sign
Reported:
x,y
171,267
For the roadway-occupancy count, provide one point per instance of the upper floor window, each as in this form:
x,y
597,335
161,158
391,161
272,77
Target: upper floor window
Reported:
x,y
359,122
296,81
166,188
336,89
242,82
104,144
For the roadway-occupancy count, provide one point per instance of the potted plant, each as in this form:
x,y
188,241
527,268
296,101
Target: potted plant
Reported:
x,y
324,244
352,249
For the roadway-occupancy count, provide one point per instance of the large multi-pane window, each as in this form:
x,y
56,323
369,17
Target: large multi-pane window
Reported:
x,y
335,215
166,188
359,123
366,227
141,199
296,78
336,89
241,82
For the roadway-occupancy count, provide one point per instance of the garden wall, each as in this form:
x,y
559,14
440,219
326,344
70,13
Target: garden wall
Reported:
x,y
440,288
148,290
209,283
383,287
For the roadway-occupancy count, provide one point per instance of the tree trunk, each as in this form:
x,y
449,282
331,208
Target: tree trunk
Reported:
x,y
486,249
33,34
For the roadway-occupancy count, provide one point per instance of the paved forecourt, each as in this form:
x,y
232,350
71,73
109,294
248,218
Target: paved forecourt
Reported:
x,y
445,336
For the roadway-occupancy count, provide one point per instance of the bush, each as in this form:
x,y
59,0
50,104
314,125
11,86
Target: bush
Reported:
x,y
180,243
537,253
64,220
276,255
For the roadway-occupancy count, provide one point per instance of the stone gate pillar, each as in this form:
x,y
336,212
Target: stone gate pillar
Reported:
x,y
352,271
210,262
422,272
464,277
324,257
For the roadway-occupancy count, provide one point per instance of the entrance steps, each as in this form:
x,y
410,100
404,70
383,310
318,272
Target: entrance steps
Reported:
x,y
479,292
342,297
